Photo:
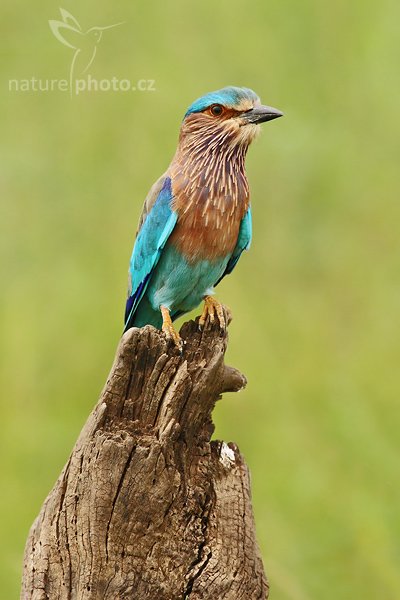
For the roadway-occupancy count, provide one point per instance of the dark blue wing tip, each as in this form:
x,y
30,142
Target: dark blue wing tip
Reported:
x,y
132,300
128,308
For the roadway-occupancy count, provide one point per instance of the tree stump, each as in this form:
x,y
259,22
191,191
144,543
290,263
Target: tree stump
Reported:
x,y
146,506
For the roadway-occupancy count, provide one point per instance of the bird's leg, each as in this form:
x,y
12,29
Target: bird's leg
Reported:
x,y
211,309
168,328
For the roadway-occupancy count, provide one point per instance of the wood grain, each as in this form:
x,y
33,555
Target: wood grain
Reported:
x,y
147,507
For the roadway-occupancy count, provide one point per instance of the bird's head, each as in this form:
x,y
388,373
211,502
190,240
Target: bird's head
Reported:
x,y
225,118
96,33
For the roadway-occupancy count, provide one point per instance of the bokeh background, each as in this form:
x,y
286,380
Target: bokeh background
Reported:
x,y
315,302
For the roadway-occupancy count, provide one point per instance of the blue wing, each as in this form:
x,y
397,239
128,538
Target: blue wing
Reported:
x,y
243,243
155,226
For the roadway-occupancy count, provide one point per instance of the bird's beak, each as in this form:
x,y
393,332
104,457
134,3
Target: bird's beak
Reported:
x,y
260,114
111,26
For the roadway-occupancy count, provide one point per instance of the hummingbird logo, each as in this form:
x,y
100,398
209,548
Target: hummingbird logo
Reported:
x,y
84,43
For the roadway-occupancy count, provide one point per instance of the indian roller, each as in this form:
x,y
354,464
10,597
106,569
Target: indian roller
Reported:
x,y
196,219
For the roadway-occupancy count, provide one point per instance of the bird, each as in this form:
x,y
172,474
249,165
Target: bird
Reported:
x,y
196,219
70,33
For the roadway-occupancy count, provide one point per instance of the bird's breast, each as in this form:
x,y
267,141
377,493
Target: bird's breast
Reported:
x,y
211,196
207,227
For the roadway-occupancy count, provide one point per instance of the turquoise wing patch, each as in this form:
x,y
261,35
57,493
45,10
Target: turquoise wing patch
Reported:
x,y
243,243
150,241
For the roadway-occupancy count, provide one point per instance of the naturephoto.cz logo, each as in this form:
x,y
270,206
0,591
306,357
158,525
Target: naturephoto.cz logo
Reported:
x,y
83,45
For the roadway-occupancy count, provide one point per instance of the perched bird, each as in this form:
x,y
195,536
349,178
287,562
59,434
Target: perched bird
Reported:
x,y
196,219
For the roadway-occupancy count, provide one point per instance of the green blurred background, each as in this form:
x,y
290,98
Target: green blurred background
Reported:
x,y
315,302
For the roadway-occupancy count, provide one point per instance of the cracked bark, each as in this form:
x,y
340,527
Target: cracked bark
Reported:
x,y
147,507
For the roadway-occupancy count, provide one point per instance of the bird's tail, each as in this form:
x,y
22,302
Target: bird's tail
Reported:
x,y
144,314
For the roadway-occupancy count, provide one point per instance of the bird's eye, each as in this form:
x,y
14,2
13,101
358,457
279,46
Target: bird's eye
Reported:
x,y
216,110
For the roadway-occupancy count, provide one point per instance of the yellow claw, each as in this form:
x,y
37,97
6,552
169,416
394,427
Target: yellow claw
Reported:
x,y
168,328
211,309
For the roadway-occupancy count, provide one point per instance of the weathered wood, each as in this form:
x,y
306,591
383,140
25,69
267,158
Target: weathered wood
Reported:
x,y
146,506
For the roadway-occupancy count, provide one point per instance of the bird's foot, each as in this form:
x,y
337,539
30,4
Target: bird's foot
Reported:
x,y
212,308
168,328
